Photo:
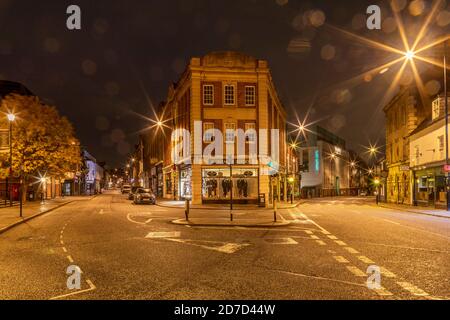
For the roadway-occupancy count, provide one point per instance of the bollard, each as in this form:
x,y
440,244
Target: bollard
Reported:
x,y
186,209
274,210
292,198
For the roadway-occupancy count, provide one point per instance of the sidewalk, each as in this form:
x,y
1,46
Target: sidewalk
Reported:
x,y
181,204
9,216
418,210
241,218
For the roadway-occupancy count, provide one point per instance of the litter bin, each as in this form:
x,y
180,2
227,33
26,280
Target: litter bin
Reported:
x,y
262,200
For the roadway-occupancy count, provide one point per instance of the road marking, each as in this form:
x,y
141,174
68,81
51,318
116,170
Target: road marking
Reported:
x,y
357,272
341,259
64,249
149,220
365,260
101,211
412,289
70,259
390,221
332,237
321,243
332,251
62,242
308,232
351,250
314,237
91,287
325,232
341,243
383,292
170,234
321,278
228,248
280,240
385,272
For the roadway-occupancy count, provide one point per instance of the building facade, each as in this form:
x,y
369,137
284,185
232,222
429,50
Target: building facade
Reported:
x,y
427,154
327,168
224,91
403,115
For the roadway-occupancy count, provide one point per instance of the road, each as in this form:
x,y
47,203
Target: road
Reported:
x,y
134,252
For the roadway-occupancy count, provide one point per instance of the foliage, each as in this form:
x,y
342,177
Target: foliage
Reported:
x,y
43,142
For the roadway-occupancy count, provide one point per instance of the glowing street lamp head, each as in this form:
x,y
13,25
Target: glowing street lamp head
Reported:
x,y
291,180
11,117
159,123
43,179
352,163
409,54
376,182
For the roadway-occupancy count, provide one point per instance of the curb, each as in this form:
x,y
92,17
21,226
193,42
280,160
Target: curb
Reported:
x,y
4,229
412,211
227,209
214,224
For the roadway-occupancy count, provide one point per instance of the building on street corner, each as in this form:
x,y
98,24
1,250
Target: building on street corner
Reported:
x,y
223,91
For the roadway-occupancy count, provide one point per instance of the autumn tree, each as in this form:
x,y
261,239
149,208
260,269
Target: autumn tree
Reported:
x,y
43,142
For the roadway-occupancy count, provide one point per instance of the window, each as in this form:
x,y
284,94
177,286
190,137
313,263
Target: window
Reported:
x,y
229,94
208,136
250,95
230,129
208,95
250,130
305,160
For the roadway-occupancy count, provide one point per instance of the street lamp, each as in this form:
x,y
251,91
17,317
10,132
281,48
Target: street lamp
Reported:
x,y
11,117
376,182
409,54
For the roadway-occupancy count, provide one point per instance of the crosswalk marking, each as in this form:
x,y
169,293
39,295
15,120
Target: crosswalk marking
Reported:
x,y
341,243
365,260
332,237
385,272
321,243
383,292
351,250
341,259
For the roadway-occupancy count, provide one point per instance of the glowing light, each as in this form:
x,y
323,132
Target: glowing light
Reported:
x,y
11,117
409,54
376,181
291,180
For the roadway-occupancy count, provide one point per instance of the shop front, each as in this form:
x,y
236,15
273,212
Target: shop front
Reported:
x,y
221,184
429,187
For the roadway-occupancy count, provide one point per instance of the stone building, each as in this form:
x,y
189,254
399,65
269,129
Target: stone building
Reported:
x,y
403,114
226,91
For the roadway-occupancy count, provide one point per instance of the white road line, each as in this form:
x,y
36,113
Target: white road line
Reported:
x,y
280,241
393,222
321,243
357,272
365,260
332,237
148,221
101,211
412,289
91,287
64,249
170,234
62,242
314,237
308,232
383,292
341,259
341,243
322,278
228,248
385,272
70,259
351,250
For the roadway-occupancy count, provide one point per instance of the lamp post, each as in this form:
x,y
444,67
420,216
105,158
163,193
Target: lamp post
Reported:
x,y
446,125
11,117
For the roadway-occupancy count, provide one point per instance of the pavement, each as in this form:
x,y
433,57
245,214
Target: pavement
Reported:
x,y
10,215
416,209
128,251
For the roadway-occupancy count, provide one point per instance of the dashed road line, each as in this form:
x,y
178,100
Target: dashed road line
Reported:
x,y
385,272
341,259
351,250
91,287
321,243
64,249
356,271
341,243
412,289
314,237
70,259
365,260
383,292
332,237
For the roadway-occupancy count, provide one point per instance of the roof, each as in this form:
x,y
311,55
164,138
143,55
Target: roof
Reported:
x,y
229,59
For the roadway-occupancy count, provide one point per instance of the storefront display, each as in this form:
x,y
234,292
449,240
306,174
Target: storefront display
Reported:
x,y
218,185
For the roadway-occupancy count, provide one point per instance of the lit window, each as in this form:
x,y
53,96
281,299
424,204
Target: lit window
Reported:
x,y
250,95
208,95
208,135
230,129
250,130
229,94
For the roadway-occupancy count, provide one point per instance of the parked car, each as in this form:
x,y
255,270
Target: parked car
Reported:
x,y
126,188
144,195
132,191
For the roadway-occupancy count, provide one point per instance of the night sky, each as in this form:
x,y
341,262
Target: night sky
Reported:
x,y
99,76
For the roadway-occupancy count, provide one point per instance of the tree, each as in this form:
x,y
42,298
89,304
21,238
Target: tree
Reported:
x,y
43,142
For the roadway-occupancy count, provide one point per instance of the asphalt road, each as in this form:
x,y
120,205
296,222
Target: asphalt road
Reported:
x,y
134,252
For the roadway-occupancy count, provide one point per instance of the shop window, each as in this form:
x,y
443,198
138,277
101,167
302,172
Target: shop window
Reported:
x,y
250,93
169,183
208,95
217,184
229,95
208,135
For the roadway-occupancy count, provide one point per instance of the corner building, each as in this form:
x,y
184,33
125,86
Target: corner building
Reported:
x,y
224,90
